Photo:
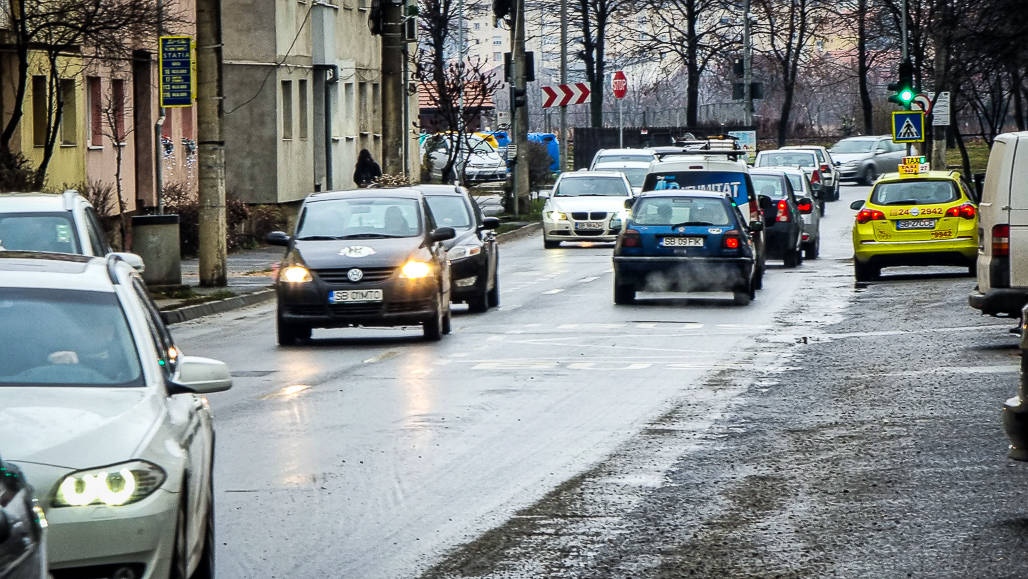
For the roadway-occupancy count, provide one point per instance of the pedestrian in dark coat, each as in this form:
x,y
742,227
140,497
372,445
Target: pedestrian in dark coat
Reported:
x,y
367,169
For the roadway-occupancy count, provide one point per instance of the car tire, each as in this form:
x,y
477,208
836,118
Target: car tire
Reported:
x,y
812,249
432,328
179,549
623,293
479,303
448,321
494,294
793,257
291,334
972,270
758,280
865,272
742,297
205,570
547,244
868,176
838,186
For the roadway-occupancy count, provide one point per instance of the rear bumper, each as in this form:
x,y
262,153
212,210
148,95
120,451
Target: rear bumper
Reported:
x,y
943,252
683,273
781,238
997,301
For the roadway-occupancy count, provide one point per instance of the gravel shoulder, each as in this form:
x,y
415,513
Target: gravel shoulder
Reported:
x,y
863,439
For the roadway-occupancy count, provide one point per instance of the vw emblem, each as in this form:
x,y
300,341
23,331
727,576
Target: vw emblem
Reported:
x,y
915,211
355,275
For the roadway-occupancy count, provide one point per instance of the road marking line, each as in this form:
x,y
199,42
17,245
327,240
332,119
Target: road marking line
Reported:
x,y
589,279
383,356
552,291
291,391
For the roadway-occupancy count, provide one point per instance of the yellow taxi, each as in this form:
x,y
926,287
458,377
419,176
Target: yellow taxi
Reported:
x,y
915,217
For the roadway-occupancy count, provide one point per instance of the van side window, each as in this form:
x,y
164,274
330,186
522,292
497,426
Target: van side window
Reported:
x,y
167,353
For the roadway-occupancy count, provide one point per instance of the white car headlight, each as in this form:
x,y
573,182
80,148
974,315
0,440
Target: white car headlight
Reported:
x,y
415,270
463,251
556,216
115,485
295,274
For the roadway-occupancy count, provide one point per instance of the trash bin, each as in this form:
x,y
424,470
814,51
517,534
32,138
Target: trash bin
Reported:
x,y
155,238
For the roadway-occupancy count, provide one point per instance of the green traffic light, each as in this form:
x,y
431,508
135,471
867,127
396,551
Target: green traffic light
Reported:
x,y
906,95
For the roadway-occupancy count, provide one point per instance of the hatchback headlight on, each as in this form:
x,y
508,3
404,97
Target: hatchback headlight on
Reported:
x,y
115,485
556,216
414,269
295,274
462,251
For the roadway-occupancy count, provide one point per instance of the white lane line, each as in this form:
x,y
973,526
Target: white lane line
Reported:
x,y
383,356
291,391
589,279
552,291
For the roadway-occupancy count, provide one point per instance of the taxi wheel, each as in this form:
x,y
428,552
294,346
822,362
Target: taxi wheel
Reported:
x,y
547,244
865,272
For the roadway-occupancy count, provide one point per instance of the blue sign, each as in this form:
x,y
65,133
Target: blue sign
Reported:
x,y
176,73
908,126
728,182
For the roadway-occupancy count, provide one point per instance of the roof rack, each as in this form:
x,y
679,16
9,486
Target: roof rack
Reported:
x,y
111,261
733,153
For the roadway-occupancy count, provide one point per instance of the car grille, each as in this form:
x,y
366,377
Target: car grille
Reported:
x,y
590,232
361,310
594,216
371,274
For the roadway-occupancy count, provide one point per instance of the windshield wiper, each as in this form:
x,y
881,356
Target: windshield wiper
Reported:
x,y
369,236
685,223
317,238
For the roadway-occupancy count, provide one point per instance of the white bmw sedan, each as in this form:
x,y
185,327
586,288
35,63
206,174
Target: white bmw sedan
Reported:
x,y
585,206
106,418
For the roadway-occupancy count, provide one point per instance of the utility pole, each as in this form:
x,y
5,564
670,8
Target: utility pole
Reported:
x,y
393,88
747,67
563,80
210,113
521,185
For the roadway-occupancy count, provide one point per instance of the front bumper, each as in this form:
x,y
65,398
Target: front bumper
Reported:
x,y
404,302
683,273
846,172
480,174
463,271
569,230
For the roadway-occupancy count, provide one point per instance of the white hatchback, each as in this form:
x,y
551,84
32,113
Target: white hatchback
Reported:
x,y
106,418
585,206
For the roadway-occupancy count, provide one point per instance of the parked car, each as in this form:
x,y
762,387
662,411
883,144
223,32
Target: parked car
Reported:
x,y
865,158
22,527
635,171
621,155
783,218
106,417
829,172
474,254
719,171
478,160
811,217
685,240
1002,257
62,223
370,257
803,159
925,219
585,206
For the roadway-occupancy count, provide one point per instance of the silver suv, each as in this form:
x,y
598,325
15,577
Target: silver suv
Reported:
x,y
63,223
865,158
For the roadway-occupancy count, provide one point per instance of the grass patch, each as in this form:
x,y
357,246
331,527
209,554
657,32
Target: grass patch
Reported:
x,y
195,298
977,153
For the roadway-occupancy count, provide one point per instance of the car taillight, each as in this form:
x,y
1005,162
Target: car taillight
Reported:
x,y
754,209
630,238
815,177
732,240
1000,240
967,211
825,168
866,215
783,211
806,207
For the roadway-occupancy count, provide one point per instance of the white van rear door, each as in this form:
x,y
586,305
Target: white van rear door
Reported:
x,y
1017,206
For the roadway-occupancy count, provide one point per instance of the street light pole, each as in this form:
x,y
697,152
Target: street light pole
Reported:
x,y
210,114
747,67
563,80
521,185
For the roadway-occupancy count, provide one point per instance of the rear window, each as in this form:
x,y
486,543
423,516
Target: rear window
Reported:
x,y
591,187
680,211
785,159
853,146
798,182
622,157
57,337
733,182
915,193
450,211
38,232
769,185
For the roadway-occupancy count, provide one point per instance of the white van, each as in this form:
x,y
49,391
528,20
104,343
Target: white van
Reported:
x,y
1003,229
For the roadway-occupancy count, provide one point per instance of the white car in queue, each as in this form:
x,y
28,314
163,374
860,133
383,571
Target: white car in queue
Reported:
x,y
106,418
585,206
635,172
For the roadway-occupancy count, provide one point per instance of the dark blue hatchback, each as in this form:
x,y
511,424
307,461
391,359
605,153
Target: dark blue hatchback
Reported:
x,y
685,240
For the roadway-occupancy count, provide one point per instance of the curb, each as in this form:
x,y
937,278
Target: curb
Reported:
x,y
217,307
520,232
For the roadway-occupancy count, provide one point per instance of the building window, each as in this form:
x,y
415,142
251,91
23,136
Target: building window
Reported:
x,y
302,101
362,105
39,110
69,113
497,57
287,109
478,26
118,108
95,107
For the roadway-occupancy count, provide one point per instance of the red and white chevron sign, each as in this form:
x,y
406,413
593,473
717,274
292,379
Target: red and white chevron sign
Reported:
x,y
563,95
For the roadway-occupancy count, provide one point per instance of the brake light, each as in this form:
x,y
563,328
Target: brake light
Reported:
x,y
815,177
783,211
732,240
630,238
1000,240
825,168
866,215
967,211
754,209
806,207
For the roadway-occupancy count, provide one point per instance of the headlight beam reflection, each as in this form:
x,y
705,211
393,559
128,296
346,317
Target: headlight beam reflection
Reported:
x,y
287,393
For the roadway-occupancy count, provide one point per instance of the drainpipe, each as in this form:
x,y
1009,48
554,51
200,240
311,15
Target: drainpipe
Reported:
x,y
331,77
158,127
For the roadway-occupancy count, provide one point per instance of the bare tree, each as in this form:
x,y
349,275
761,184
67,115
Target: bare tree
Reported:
x,y
114,113
594,19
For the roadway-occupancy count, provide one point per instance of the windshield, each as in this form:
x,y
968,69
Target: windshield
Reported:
x,y
38,232
853,146
681,211
364,218
591,187
449,211
732,182
623,157
915,193
769,185
785,159
481,146
58,337
635,176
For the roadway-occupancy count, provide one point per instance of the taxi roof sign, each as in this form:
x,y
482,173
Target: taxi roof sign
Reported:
x,y
914,165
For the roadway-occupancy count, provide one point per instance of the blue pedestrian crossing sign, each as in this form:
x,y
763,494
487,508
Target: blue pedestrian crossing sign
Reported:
x,y
908,127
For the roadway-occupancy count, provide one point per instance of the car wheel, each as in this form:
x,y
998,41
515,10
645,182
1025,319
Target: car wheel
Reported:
x,y
792,258
869,176
813,248
838,186
494,294
179,552
547,244
448,321
972,270
741,297
205,570
623,293
290,334
479,303
433,327
865,272
758,280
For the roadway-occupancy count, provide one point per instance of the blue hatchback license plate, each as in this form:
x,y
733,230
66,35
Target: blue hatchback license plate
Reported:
x,y
682,241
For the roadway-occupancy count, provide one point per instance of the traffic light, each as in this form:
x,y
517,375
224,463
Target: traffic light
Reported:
x,y
518,97
904,91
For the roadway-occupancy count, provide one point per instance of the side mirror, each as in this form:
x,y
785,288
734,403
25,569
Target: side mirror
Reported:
x,y
857,205
196,375
805,205
837,163
132,259
491,223
629,203
755,226
278,238
442,234
544,194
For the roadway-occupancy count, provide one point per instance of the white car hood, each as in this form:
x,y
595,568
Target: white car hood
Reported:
x,y
844,158
74,428
610,204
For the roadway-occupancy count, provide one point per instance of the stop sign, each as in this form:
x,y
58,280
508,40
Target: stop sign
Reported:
x,y
620,84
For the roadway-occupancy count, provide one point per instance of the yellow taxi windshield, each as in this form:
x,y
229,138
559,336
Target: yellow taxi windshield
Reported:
x,y
915,192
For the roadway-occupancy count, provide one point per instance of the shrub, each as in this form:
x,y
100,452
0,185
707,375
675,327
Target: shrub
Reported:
x,y
16,173
267,218
179,200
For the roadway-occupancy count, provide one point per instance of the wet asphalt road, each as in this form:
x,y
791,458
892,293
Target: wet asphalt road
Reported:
x,y
823,430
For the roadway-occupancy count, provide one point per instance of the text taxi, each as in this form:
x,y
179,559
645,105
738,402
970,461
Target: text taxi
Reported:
x,y
915,217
